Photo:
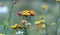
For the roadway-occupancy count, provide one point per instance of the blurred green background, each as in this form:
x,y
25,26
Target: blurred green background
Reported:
x,y
50,15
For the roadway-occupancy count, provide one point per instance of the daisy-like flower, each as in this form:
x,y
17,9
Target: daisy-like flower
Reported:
x,y
2,34
14,26
38,25
28,24
42,16
43,26
42,21
26,14
19,32
57,0
37,22
44,7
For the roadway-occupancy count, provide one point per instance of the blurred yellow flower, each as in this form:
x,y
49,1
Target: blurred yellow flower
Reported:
x,y
58,0
42,16
43,26
37,22
16,25
2,34
42,21
53,24
26,14
13,27
44,7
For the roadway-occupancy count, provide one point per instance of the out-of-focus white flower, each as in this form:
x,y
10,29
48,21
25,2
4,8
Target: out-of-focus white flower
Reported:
x,y
28,24
19,32
3,10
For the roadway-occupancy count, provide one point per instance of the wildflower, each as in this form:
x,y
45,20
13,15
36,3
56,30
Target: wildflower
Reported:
x,y
13,27
16,25
24,21
37,22
42,16
26,14
19,32
2,34
44,7
43,26
28,24
32,13
3,9
53,24
27,11
19,26
19,13
58,0
42,21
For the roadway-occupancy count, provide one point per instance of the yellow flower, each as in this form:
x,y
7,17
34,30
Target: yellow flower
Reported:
x,y
15,26
44,7
2,34
42,16
58,0
53,24
25,14
37,22
19,25
25,11
42,21
43,26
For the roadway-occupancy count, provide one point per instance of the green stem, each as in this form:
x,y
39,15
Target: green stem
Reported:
x,y
9,19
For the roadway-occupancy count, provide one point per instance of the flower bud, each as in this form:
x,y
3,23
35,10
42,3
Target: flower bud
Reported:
x,y
19,13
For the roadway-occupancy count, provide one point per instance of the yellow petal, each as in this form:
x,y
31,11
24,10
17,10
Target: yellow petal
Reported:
x,y
42,21
16,25
58,0
37,22
43,26
13,27
44,6
42,16
2,34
